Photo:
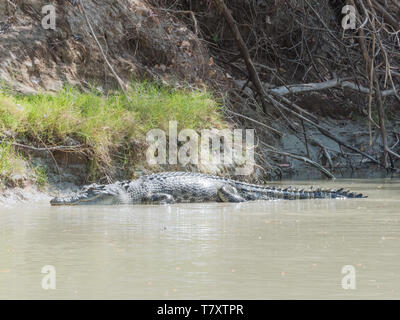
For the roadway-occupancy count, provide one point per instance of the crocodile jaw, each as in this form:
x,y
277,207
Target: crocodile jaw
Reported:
x,y
74,200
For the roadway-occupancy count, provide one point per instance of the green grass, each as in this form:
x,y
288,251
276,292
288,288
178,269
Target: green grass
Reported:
x,y
40,176
11,163
102,123
6,160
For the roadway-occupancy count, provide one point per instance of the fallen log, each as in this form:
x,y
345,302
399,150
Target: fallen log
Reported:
x,y
318,86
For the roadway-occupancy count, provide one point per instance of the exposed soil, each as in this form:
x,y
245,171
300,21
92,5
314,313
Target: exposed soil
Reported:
x,y
136,41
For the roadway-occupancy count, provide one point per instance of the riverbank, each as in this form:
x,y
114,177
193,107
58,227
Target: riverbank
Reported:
x,y
66,120
56,142
80,136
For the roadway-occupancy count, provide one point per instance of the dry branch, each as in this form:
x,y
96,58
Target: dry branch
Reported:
x,y
253,75
307,87
255,121
387,16
48,149
318,86
119,80
328,134
301,158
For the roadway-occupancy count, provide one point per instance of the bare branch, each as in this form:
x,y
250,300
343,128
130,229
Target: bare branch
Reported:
x,y
301,158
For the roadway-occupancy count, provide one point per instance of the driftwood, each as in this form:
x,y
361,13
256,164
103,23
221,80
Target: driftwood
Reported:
x,y
318,86
307,87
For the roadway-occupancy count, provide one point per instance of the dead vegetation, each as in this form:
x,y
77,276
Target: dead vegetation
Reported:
x,y
293,66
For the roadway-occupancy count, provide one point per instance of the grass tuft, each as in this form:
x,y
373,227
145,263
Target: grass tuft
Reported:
x,y
11,164
102,123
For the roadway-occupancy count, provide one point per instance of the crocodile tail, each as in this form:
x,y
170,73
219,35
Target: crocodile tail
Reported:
x,y
290,193
252,191
336,194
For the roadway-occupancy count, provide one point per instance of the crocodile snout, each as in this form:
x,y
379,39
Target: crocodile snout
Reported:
x,y
59,201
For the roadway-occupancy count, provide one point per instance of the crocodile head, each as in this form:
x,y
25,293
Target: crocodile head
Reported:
x,y
93,194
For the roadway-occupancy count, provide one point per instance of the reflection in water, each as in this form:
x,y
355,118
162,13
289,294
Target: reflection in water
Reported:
x,y
258,250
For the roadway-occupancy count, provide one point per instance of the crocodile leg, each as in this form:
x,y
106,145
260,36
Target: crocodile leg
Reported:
x,y
160,198
229,194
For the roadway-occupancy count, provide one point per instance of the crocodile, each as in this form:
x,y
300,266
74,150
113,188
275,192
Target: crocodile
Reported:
x,y
181,187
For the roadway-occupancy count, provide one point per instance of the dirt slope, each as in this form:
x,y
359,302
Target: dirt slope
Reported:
x,y
136,41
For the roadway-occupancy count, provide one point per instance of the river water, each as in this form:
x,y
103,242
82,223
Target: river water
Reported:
x,y
260,250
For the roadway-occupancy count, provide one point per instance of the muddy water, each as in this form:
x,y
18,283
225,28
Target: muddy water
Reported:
x,y
261,250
